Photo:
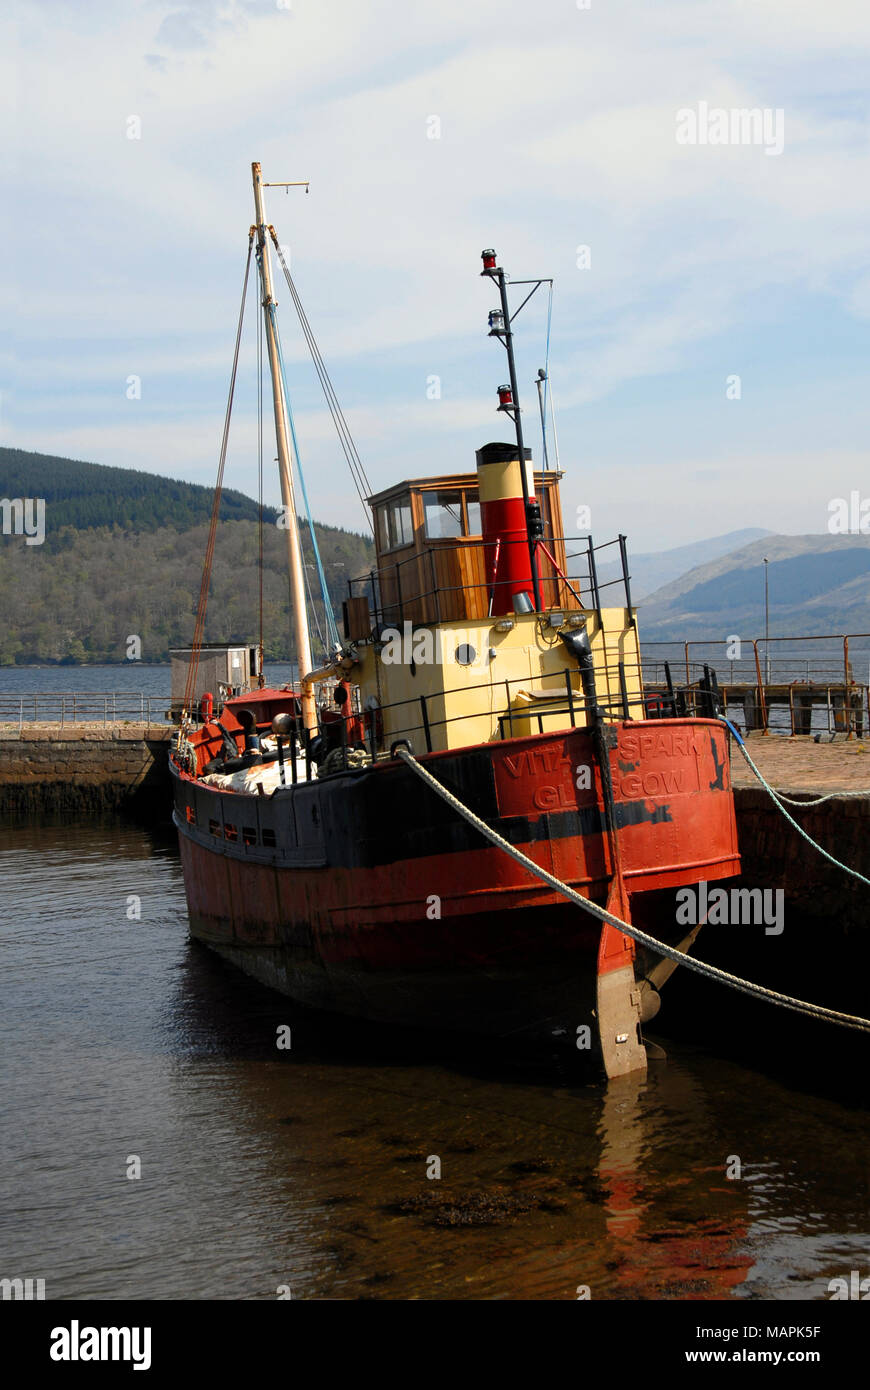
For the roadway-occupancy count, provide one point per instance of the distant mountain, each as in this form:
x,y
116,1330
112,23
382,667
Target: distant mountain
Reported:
x,y
651,570
816,584
123,555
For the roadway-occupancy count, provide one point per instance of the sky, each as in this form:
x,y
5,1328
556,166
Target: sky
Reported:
x,y
708,348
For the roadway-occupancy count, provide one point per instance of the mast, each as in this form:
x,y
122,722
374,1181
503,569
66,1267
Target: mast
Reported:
x,y
504,331
282,435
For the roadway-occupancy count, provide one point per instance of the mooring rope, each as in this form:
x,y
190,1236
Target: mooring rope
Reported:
x,y
778,799
711,972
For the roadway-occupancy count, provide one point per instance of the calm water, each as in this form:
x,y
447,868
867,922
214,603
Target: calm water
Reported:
x,y
307,1167
133,676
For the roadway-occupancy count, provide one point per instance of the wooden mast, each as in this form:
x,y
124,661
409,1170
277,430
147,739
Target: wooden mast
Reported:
x,y
282,434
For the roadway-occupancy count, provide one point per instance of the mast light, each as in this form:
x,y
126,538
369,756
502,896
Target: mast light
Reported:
x,y
489,259
505,398
496,323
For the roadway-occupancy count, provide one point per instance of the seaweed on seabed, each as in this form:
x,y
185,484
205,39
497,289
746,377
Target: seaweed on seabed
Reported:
x,y
473,1209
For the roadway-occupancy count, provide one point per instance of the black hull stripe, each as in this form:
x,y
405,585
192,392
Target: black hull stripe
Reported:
x,y
363,821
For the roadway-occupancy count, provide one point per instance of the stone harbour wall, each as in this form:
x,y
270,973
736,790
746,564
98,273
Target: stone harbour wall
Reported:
x,y
774,855
84,767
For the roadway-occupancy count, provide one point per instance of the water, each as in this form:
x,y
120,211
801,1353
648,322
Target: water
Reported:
x,y
153,682
132,677
307,1168
88,693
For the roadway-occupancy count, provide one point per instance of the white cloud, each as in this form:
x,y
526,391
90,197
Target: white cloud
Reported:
x,y
557,129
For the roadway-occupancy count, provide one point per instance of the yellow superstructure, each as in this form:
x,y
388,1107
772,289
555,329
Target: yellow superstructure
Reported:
x,y
492,678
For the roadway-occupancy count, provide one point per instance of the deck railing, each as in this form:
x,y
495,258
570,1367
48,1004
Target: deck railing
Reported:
x,y
412,588
413,718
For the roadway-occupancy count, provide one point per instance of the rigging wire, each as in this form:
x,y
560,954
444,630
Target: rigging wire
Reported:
x,y
553,420
349,449
331,626
199,629
547,374
312,607
342,426
548,393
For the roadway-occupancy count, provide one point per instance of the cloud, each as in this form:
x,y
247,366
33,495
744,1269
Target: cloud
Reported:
x,y
556,130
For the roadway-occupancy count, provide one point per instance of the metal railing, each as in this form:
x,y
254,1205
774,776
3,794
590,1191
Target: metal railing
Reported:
x,y
562,700
413,594
794,691
835,664
82,707
569,700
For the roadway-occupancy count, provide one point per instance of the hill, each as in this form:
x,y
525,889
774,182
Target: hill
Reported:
x,y
816,584
132,565
90,495
651,570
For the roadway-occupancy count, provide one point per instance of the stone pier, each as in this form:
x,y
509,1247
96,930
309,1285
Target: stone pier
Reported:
x,y
92,767
774,854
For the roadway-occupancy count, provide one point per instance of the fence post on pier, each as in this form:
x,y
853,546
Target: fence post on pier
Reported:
x,y
847,703
761,695
791,706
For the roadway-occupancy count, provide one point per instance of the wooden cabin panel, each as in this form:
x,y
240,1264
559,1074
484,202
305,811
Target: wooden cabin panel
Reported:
x,y
472,569
397,582
446,579
451,598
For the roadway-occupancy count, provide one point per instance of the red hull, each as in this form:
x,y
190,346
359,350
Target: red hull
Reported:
x,y
363,893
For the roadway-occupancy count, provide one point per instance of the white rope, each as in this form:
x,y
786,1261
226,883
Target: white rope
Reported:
x,y
779,799
711,972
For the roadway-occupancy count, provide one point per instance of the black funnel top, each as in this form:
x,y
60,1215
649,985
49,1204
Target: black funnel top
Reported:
x,y
500,453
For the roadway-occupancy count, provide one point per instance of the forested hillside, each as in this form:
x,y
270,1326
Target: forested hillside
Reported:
x,y
96,582
90,495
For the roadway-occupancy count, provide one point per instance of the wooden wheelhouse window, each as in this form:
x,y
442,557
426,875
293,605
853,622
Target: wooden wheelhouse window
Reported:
x,y
395,527
450,513
269,838
249,835
443,514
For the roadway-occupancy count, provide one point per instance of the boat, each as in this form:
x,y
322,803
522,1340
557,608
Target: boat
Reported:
x,y
419,829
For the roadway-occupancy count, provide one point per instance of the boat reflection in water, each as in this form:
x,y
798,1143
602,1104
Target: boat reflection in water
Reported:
x,y
544,1188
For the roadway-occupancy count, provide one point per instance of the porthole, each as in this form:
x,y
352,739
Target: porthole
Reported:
x,y
465,654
